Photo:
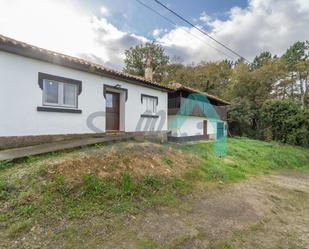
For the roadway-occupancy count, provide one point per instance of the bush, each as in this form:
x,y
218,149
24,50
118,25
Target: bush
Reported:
x,y
299,137
285,121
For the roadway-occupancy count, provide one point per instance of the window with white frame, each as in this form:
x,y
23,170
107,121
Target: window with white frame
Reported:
x,y
150,104
59,94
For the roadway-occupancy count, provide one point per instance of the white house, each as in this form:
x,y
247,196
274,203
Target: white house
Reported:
x,y
46,95
195,115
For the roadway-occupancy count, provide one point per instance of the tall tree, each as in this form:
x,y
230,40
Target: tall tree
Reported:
x,y
256,86
239,116
214,77
136,56
261,60
210,77
302,70
297,53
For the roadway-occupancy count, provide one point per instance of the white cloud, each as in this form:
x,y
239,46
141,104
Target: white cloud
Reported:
x,y
189,45
64,27
204,17
264,25
157,32
104,11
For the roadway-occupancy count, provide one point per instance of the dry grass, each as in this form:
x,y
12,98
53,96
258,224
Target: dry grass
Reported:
x,y
140,159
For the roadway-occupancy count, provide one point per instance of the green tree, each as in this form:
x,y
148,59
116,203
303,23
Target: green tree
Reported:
x,y
256,86
302,70
211,77
299,124
239,116
136,56
214,77
297,53
261,60
286,122
171,73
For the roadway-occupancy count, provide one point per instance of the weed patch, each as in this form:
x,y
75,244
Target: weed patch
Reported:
x,y
19,227
167,160
5,189
92,186
6,164
127,185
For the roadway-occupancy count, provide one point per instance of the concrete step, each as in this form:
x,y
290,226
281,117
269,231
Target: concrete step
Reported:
x,y
22,152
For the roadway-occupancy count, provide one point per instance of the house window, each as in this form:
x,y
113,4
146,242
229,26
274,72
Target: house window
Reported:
x,y
109,100
150,104
59,94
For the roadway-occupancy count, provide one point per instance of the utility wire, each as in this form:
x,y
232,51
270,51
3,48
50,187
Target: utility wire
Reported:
x,y
176,25
200,30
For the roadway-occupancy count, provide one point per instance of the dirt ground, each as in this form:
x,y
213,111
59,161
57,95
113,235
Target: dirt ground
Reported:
x,y
269,211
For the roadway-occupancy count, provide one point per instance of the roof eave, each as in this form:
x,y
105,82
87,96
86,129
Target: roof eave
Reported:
x,y
188,89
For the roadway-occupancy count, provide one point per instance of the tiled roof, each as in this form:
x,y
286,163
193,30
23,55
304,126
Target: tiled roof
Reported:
x,y
17,47
178,86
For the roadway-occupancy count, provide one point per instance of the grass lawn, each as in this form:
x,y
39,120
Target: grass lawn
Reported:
x,y
245,157
30,191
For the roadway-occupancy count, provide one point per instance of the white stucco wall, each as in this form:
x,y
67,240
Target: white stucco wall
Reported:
x,y
20,95
182,126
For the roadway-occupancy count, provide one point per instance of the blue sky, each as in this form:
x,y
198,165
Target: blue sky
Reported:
x,y
131,16
101,30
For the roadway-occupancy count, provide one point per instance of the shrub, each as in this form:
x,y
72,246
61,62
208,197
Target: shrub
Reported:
x,y
284,121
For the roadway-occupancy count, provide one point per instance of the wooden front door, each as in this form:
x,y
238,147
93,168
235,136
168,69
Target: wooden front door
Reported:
x,y
112,111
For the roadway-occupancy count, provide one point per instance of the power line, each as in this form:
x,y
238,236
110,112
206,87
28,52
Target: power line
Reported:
x,y
175,24
200,30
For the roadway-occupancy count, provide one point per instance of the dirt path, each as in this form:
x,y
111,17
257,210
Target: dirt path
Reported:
x,y
270,211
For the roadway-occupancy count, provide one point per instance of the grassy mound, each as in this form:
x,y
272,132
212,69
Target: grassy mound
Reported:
x,y
127,177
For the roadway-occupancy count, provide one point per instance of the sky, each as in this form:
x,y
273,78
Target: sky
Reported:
x,y
101,30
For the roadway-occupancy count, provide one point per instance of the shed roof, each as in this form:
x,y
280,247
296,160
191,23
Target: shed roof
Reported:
x,y
180,87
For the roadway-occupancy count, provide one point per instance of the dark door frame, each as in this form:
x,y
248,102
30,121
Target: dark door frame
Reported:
x,y
205,124
112,121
